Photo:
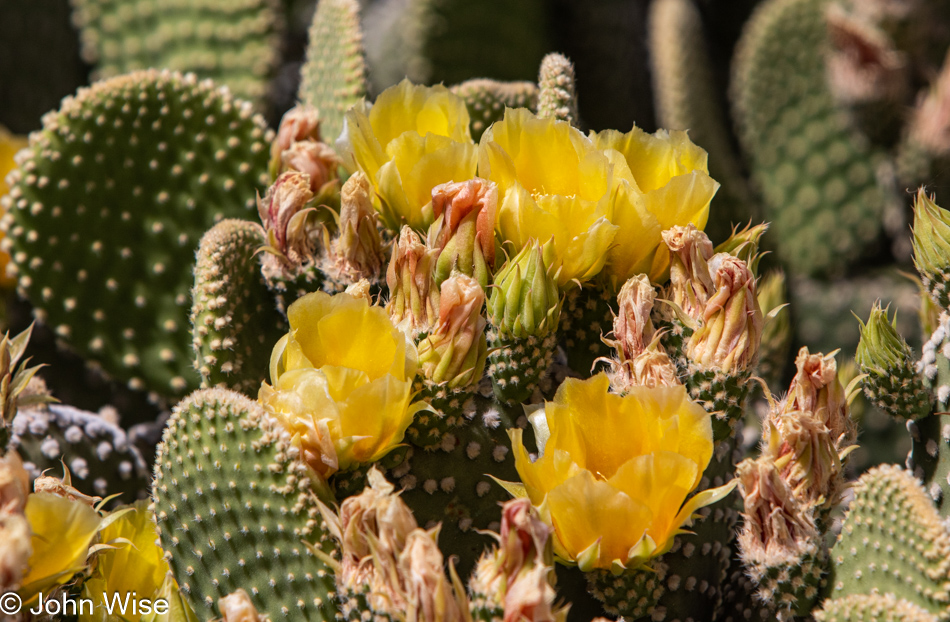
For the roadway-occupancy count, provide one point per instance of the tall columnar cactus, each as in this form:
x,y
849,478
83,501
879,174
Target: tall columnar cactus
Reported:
x,y
334,76
235,509
685,95
233,43
103,238
818,177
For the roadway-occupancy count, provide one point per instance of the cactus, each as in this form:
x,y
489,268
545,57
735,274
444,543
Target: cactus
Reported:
x,y
432,41
556,95
232,43
334,76
893,542
818,177
99,454
235,509
686,99
486,100
234,318
176,155
554,326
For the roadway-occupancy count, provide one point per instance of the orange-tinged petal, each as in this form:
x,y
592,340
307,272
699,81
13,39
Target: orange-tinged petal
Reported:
x,y
585,510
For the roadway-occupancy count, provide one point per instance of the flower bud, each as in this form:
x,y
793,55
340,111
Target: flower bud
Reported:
x,y
429,596
633,329
641,360
455,351
816,389
237,607
464,230
300,123
690,279
778,529
932,247
413,297
318,160
729,336
892,383
525,301
357,251
284,211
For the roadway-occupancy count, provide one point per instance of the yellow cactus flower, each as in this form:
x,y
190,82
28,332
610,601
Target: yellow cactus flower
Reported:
x,y
342,381
615,472
555,187
63,530
136,564
668,184
410,141
9,146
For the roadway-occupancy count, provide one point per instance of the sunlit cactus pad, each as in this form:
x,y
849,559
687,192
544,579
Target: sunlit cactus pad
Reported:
x,y
107,208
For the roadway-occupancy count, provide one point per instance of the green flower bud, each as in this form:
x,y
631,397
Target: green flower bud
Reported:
x,y
413,296
891,384
456,349
464,231
525,301
932,247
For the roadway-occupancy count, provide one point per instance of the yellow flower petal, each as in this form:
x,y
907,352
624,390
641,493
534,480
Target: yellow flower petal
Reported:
x,y
661,481
62,533
411,140
545,473
554,187
585,511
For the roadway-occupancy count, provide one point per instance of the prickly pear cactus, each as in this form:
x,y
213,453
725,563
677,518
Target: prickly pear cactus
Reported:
x,y
103,238
893,541
234,318
99,455
235,509
820,180
233,43
334,76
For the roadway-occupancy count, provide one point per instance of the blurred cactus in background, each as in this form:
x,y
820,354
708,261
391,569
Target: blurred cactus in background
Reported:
x,y
407,310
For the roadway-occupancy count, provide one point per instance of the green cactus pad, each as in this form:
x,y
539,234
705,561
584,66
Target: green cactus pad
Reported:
x,y
98,454
486,100
686,98
872,608
930,436
723,395
893,541
698,565
235,509
106,210
633,594
557,98
233,42
234,316
334,77
585,317
517,365
818,177
450,483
